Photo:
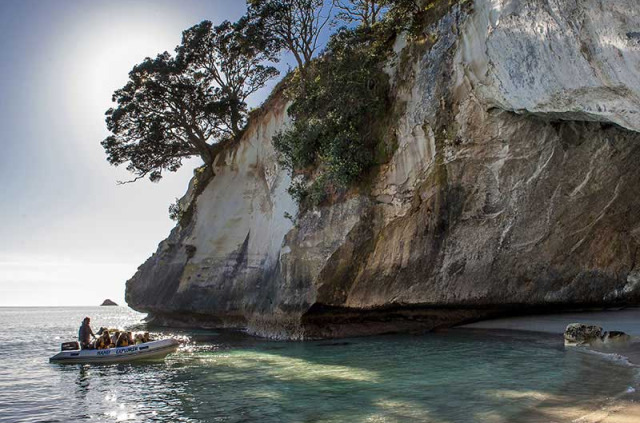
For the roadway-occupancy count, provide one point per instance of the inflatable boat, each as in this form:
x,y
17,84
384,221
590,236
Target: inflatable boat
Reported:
x,y
153,350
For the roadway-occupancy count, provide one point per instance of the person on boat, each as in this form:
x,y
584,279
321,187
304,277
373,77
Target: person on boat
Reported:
x,y
123,340
145,337
114,339
103,341
85,333
130,339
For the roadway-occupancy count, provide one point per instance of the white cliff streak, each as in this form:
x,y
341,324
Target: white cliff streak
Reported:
x,y
576,60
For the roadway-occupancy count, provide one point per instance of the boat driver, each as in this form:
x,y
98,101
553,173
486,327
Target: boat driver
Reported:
x,y
85,333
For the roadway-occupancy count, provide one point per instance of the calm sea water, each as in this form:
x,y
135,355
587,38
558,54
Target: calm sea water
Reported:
x,y
456,376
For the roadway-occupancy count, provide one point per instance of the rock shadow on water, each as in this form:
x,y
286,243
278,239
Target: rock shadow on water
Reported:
x,y
439,377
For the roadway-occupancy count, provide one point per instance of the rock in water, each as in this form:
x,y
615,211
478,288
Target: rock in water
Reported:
x,y
615,336
513,180
108,302
581,334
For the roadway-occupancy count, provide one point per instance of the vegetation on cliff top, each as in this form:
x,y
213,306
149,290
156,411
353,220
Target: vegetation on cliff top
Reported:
x,y
336,112
341,102
194,102
177,107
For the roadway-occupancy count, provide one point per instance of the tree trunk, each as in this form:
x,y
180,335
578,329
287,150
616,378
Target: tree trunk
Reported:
x,y
207,155
205,151
235,120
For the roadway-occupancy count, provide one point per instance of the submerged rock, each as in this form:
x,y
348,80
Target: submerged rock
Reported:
x,y
515,184
108,302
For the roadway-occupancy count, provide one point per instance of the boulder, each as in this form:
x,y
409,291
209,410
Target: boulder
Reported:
x,y
581,334
615,336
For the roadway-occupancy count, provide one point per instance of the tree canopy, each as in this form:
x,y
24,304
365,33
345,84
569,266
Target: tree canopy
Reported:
x,y
338,116
295,25
184,105
364,12
174,107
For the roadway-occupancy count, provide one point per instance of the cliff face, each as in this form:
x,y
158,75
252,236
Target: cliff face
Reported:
x,y
516,183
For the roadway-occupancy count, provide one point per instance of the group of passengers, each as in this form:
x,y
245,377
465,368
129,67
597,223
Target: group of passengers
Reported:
x,y
118,339
106,340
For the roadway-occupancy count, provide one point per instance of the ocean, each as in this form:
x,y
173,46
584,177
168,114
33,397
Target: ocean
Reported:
x,y
452,376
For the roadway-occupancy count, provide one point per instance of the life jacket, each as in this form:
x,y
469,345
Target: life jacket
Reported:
x,y
100,343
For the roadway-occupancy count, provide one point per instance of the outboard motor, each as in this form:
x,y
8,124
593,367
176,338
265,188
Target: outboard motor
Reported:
x,y
70,346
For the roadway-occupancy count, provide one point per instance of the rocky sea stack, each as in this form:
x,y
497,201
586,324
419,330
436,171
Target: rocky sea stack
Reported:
x,y
108,302
513,184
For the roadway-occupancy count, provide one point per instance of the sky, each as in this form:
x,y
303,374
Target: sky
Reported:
x,y
69,235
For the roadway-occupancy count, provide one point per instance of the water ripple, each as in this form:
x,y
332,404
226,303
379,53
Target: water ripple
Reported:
x,y
218,377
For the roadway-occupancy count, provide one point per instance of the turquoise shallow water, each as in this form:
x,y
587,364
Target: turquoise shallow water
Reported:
x,y
455,376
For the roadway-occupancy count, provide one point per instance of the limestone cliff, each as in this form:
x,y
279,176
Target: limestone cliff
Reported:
x,y
515,184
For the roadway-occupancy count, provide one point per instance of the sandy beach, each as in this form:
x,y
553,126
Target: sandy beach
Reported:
x,y
626,320
618,410
625,407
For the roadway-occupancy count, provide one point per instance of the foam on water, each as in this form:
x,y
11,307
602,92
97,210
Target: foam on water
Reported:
x,y
457,376
609,356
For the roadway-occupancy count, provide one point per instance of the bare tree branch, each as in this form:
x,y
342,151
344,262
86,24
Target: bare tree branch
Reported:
x,y
364,12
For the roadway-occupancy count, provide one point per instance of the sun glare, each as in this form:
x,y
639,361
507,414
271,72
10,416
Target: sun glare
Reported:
x,y
99,52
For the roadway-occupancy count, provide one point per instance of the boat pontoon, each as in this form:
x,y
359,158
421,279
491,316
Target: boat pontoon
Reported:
x,y
153,350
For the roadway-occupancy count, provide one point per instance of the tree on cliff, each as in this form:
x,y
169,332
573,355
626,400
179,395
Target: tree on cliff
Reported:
x,y
183,106
296,25
339,116
364,12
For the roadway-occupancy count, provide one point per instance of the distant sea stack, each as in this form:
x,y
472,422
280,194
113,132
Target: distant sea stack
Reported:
x,y
108,302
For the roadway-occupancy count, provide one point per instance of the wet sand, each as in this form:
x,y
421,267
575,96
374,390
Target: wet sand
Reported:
x,y
620,412
624,408
626,320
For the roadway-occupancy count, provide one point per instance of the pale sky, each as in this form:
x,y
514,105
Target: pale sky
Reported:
x,y
69,234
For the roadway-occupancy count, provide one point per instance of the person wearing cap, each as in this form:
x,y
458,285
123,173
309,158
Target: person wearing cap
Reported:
x,y
85,333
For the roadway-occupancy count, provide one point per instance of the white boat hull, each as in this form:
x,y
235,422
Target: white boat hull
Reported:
x,y
153,350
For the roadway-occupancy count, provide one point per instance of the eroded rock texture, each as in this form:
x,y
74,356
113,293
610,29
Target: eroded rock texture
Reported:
x,y
515,184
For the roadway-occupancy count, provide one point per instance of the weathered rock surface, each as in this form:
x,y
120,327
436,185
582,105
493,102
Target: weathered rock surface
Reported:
x,y
581,334
515,185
